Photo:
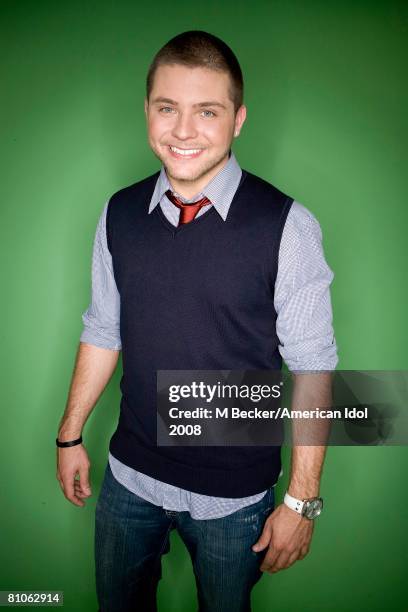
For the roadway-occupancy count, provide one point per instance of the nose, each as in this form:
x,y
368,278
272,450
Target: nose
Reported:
x,y
184,128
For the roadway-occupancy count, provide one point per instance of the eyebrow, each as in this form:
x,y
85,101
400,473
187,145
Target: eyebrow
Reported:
x,y
199,104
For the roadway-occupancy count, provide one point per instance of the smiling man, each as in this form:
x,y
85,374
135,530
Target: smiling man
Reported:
x,y
190,131
202,265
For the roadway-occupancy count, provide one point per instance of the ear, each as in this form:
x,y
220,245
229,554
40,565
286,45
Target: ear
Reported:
x,y
239,119
146,105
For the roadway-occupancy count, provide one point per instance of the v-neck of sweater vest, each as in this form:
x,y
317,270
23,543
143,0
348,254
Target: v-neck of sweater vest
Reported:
x,y
186,226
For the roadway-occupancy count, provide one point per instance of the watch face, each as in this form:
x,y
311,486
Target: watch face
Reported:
x,y
313,508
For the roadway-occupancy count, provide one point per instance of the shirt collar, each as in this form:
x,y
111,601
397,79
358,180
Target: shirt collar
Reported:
x,y
220,190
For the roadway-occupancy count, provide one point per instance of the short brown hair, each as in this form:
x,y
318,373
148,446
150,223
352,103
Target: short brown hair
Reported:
x,y
197,48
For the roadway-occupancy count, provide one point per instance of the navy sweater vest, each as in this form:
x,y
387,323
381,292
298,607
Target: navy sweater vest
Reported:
x,y
195,297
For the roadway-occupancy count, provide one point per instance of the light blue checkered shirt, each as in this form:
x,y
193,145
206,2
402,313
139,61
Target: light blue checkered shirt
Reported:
x,y
302,303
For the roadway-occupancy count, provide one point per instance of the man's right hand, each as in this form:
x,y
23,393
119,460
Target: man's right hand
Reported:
x,y
73,460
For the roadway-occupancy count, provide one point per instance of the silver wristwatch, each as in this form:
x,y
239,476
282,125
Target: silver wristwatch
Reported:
x,y
309,508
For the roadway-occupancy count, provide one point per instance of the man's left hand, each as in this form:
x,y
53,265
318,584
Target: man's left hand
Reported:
x,y
287,536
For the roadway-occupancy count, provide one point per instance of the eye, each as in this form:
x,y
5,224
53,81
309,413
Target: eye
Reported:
x,y
165,108
209,111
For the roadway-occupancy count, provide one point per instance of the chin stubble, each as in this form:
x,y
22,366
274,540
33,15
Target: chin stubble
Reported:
x,y
200,173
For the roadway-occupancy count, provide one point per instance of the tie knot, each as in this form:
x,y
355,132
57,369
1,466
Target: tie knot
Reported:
x,y
187,211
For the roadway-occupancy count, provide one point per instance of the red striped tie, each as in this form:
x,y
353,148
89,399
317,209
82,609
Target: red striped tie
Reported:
x,y
187,211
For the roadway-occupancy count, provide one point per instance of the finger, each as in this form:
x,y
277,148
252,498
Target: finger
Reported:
x,y
78,490
269,559
280,563
84,480
265,538
303,552
293,558
69,491
79,493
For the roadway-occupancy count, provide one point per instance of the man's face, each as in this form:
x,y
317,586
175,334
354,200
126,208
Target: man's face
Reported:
x,y
191,123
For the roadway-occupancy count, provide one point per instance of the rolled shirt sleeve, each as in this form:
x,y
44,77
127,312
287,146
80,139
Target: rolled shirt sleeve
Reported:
x,y
302,295
101,320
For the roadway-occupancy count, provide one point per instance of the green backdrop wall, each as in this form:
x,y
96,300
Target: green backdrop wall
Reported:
x,y
326,92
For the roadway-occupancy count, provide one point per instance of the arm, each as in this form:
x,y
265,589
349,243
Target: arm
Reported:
x,y
304,327
93,369
286,533
310,391
96,360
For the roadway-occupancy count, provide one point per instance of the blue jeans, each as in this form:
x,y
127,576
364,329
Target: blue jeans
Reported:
x,y
132,534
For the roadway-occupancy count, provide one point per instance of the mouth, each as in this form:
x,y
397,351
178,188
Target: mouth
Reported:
x,y
184,153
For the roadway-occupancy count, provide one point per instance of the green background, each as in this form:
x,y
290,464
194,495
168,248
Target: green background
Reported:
x,y
326,92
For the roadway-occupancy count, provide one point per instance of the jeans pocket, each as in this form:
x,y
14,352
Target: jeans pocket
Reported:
x,y
106,493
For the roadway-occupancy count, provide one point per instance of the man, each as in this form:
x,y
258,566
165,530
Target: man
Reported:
x,y
206,266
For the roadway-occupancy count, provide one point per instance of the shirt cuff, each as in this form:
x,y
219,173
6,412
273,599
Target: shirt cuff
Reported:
x,y
95,338
315,356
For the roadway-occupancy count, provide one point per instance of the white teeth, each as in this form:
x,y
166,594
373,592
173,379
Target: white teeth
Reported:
x,y
185,151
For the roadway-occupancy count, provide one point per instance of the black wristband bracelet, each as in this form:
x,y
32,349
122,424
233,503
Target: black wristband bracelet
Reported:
x,y
71,443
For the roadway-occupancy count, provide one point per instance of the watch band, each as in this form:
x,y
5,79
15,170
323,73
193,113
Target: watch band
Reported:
x,y
293,503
